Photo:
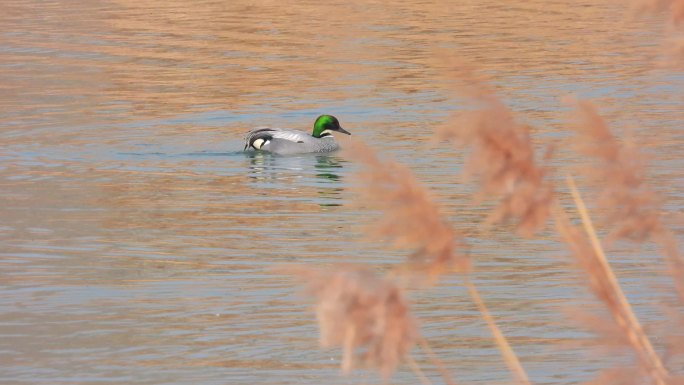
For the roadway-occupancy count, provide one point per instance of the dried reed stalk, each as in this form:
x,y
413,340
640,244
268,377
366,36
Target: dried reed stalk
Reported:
x,y
605,286
417,371
502,155
670,248
435,360
506,351
357,310
411,218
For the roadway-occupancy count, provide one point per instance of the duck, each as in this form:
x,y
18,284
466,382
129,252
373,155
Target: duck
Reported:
x,y
285,141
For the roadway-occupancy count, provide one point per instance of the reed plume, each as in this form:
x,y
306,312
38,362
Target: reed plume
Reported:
x,y
675,9
411,218
632,208
501,157
357,310
676,51
674,41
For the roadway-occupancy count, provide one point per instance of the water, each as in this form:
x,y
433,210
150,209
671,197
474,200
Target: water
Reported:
x,y
136,237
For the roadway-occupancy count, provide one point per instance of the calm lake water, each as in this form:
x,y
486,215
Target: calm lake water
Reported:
x,y
137,238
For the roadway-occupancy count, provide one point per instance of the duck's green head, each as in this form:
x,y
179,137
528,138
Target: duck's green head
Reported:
x,y
325,125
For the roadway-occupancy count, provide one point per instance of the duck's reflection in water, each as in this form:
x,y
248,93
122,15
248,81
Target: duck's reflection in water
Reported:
x,y
323,174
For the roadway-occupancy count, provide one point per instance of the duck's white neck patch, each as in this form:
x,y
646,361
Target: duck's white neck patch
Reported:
x,y
326,133
258,143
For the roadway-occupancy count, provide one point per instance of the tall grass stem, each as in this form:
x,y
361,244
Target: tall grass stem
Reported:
x,y
436,361
507,352
624,314
417,371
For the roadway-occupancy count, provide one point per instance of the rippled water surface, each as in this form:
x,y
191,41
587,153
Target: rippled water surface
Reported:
x,y
137,238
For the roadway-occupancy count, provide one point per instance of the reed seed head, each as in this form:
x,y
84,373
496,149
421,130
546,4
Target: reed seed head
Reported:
x,y
411,217
501,157
632,208
368,316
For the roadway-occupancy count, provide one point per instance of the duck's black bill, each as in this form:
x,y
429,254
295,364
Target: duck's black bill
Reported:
x,y
342,130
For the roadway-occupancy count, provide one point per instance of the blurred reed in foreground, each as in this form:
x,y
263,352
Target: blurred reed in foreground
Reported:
x,y
673,43
674,8
410,217
358,309
633,210
501,154
409,210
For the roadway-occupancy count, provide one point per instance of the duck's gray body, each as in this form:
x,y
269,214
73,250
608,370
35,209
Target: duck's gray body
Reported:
x,y
282,141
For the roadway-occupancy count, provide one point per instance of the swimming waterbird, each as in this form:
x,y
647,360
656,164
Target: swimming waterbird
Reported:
x,y
284,141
